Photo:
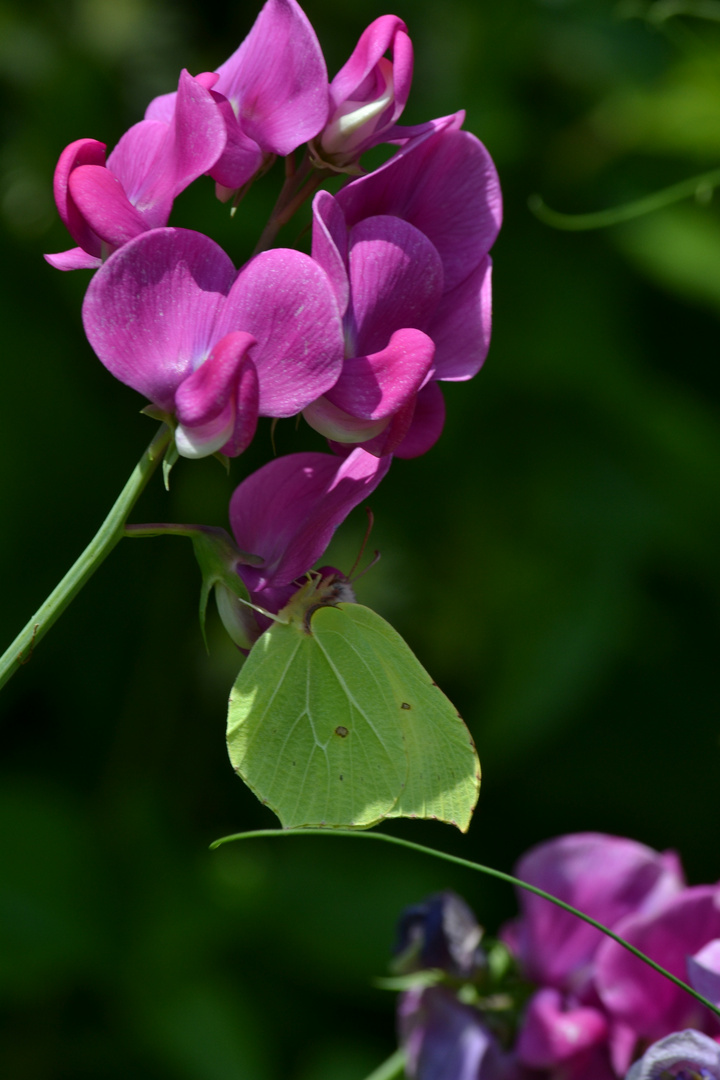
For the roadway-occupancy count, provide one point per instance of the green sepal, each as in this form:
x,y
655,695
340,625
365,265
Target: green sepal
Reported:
x,y
218,558
171,456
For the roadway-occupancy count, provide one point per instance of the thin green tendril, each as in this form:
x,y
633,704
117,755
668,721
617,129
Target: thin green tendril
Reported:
x,y
508,878
701,187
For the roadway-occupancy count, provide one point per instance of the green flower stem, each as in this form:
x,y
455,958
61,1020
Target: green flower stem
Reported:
x,y
700,186
391,1069
483,870
110,532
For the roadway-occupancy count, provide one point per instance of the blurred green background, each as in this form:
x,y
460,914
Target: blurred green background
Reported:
x,y
553,561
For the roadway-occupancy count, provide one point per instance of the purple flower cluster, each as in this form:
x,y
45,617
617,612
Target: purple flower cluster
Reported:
x,y
594,1007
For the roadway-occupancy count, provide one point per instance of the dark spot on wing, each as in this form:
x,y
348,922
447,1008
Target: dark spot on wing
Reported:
x,y
341,777
342,732
404,705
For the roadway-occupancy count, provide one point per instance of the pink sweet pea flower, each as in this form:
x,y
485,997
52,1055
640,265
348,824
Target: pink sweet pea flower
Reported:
x,y
105,205
406,249
287,512
272,92
367,95
169,315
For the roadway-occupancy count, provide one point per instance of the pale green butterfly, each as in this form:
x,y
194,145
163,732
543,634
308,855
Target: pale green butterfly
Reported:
x,y
333,721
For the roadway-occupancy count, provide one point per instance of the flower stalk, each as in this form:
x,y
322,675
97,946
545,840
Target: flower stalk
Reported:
x,y
110,532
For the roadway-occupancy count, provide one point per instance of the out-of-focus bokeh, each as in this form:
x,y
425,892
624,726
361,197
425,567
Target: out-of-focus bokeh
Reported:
x,y
554,561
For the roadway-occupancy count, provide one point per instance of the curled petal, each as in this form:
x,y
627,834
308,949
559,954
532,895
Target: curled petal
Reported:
x,y
369,92
427,424
289,509
80,152
376,386
216,406
103,202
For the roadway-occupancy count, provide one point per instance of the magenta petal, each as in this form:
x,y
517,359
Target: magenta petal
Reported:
x,y
217,404
396,280
369,92
552,1033
276,80
246,411
376,386
375,40
150,311
285,301
446,186
241,158
427,423
73,259
330,245
205,393
157,160
605,877
460,326
288,510
80,152
637,995
101,199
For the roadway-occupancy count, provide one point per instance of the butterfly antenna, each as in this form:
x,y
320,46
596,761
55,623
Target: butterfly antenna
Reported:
x,y
361,552
375,559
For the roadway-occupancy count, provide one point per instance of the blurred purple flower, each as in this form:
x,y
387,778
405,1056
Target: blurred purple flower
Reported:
x,y
367,95
169,315
567,1022
103,205
446,1040
703,971
639,997
685,1055
440,932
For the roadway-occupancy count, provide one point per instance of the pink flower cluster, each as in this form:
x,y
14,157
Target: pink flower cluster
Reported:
x,y
595,1008
356,336
393,299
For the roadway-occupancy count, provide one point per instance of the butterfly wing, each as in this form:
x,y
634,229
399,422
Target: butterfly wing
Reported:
x,y
309,727
443,779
